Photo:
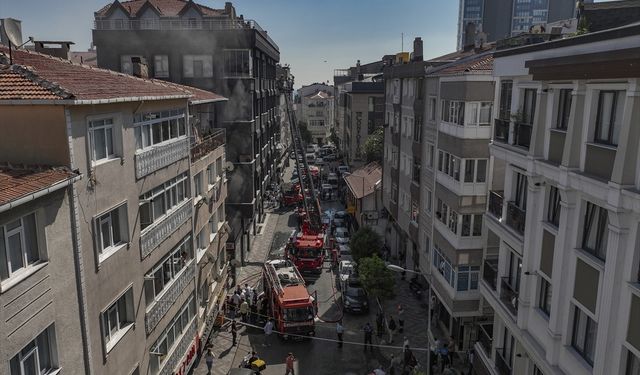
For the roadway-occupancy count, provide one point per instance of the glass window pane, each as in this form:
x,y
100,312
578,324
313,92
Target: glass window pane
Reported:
x,y
463,281
109,141
466,225
15,252
113,320
99,144
157,133
604,115
469,169
477,225
30,364
31,239
105,233
138,134
115,225
481,168
4,269
44,351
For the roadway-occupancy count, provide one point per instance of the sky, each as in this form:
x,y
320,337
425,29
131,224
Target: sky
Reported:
x,y
314,36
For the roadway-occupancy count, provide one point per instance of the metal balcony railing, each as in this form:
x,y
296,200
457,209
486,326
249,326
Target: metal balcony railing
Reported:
x,y
503,366
516,217
180,350
509,296
496,199
522,134
501,130
160,156
490,271
168,298
208,143
485,337
152,236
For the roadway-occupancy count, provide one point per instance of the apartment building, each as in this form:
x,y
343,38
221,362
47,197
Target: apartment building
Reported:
x,y
363,114
315,109
213,49
561,262
142,273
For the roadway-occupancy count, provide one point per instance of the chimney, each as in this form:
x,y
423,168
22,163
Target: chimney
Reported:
x,y
417,49
140,69
53,48
230,10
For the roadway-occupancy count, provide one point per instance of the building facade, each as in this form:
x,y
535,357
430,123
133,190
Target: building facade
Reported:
x,y
316,110
561,260
212,49
363,114
364,197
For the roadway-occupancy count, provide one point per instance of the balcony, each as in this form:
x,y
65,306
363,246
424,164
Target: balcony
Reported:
x,y
160,156
490,271
509,296
516,217
170,364
522,134
168,298
501,131
153,236
503,366
485,337
207,144
496,199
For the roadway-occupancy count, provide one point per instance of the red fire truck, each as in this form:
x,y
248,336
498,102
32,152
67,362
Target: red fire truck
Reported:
x,y
306,250
290,304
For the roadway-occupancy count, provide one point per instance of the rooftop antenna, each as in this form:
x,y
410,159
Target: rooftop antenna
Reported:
x,y
11,29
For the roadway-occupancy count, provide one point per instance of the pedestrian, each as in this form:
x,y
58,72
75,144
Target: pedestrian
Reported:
x,y
392,365
391,326
208,358
289,361
368,333
451,347
339,332
234,332
380,323
470,357
268,330
444,357
405,344
408,358
400,318
244,310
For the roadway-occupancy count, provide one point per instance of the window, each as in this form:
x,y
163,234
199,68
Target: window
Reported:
x,y
430,155
101,139
453,221
443,265
432,109
202,241
167,270
449,164
608,121
453,112
469,170
471,225
564,109
544,299
467,278
19,248
529,106
161,66
157,127
417,129
197,66
371,104
584,335
521,191
156,203
416,171
237,63
553,206
479,114
213,226
428,200
443,211
197,182
117,318
111,230
212,176
505,100
633,364
126,66
415,212
594,238
394,192
481,170
171,336
38,356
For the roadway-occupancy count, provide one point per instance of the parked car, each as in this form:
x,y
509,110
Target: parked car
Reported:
x,y
344,253
342,235
339,219
332,180
355,297
330,157
320,162
345,269
343,168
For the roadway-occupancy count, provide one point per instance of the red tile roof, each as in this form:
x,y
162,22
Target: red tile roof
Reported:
x,y
362,181
63,79
167,8
20,181
477,64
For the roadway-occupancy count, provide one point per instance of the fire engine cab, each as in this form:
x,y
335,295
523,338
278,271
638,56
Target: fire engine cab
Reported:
x,y
306,250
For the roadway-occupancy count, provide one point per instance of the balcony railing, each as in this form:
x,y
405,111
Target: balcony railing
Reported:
x,y
485,337
158,232
490,271
503,366
168,298
516,217
169,366
501,131
160,156
522,134
496,199
509,296
207,144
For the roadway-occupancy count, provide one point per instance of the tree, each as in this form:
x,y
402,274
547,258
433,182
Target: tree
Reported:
x,y
376,278
374,146
333,137
365,243
305,133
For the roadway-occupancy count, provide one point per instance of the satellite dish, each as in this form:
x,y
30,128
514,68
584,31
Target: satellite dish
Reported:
x,y
229,167
12,30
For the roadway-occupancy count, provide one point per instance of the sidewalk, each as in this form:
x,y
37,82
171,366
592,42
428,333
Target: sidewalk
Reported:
x,y
223,352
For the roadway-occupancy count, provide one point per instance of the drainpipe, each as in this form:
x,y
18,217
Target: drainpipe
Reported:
x,y
78,260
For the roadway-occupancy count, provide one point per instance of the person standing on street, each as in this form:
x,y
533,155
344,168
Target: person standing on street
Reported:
x,y
380,323
268,330
234,332
368,336
451,347
339,332
289,361
208,358
244,310
392,328
400,318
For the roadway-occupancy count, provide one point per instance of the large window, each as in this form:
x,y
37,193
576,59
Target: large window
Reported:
x,y
521,187
449,164
101,139
237,63
553,206
171,336
415,212
428,196
564,109
156,203
126,66
479,113
19,248
156,127
443,265
595,230
38,356
117,318
167,270
529,106
197,184
608,122
453,112
584,335
432,109
475,170
417,129
506,88
197,66
111,230
430,155
471,225
161,66
467,278
544,298
416,171
633,364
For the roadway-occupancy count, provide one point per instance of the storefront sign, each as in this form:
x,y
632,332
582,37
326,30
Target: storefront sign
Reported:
x,y
190,357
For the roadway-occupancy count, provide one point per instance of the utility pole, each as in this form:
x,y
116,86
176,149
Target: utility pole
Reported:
x,y
402,42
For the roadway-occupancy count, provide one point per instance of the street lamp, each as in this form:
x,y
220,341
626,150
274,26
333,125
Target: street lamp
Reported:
x,y
396,268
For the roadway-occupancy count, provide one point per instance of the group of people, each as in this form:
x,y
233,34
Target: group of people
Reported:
x,y
442,353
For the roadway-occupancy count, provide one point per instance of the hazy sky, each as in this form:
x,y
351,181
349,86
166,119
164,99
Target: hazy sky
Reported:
x,y
314,36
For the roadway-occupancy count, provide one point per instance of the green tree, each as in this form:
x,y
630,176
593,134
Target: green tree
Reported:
x,y
376,278
305,133
365,243
374,146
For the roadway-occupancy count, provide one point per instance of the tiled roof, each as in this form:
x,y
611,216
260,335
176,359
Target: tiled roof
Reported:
x,y
63,79
481,63
167,8
363,181
86,57
20,181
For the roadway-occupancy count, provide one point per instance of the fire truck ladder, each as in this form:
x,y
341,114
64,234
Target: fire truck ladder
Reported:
x,y
311,202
